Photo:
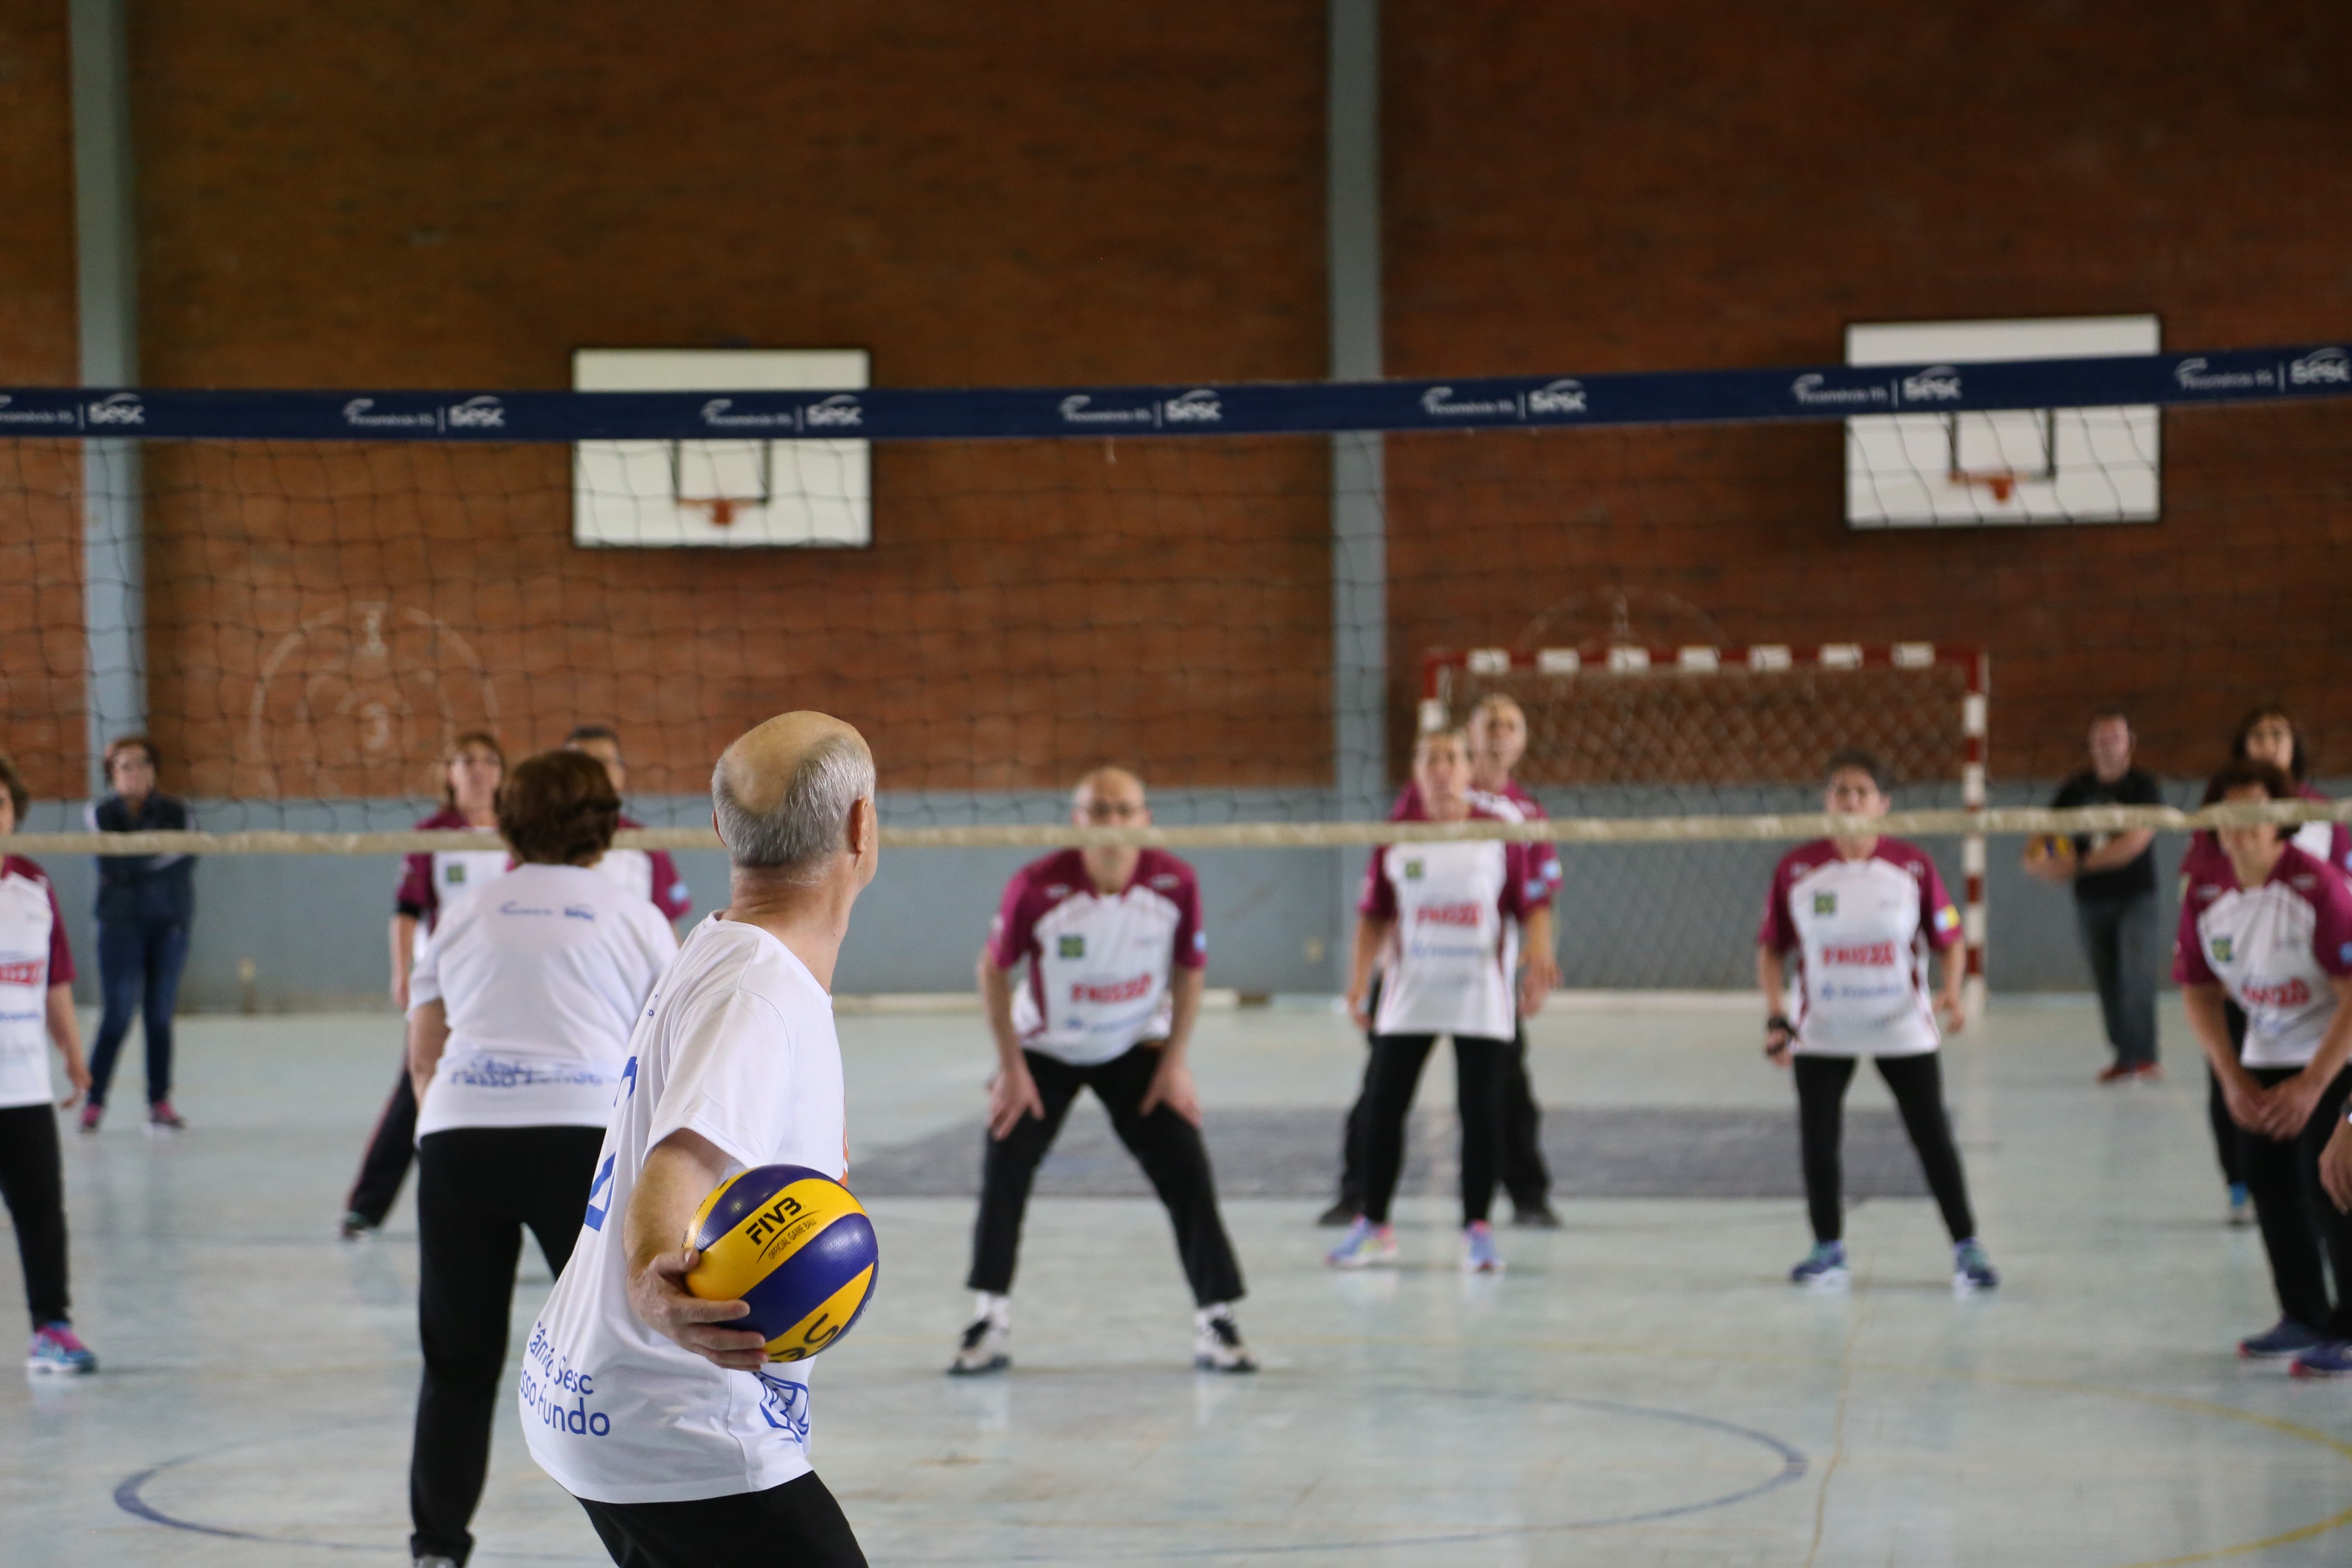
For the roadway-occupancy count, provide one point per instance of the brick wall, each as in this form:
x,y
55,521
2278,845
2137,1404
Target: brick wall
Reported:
x,y
976,194
41,712
1621,185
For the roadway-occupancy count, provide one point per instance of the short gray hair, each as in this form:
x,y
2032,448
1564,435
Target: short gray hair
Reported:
x,y
809,823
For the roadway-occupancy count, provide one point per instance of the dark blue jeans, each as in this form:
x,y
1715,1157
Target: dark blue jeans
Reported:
x,y
138,959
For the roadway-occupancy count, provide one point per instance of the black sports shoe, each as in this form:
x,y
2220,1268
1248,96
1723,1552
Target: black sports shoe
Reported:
x,y
1217,1343
1535,1216
1339,1213
985,1347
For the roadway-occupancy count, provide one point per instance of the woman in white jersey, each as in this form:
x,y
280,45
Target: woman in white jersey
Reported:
x,y
36,1009
1441,913
2268,734
2270,927
519,1020
1858,912
470,776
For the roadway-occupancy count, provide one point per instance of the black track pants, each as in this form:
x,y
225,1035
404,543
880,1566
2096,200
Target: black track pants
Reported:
x,y
1917,1084
1167,1146
33,1184
476,1189
390,1149
1478,1072
795,1525
2304,1232
1525,1175
2227,1137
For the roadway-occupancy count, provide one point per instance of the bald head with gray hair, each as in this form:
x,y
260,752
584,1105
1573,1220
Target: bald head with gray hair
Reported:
x,y
782,795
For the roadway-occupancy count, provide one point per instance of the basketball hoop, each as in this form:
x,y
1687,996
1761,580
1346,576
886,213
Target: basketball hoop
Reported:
x,y
721,509
2001,482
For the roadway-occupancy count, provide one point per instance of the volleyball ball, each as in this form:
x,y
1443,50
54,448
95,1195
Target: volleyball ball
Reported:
x,y
793,1244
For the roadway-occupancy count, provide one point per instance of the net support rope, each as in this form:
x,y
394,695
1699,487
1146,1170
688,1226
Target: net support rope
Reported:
x,y
1791,827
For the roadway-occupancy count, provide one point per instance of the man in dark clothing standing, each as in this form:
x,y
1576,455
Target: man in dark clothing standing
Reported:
x,y
2114,875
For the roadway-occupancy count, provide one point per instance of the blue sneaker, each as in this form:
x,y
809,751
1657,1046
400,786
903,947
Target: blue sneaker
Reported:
x,y
57,1348
2242,1203
2328,1358
2282,1340
1971,1270
1823,1267
1478,1253
1364,1245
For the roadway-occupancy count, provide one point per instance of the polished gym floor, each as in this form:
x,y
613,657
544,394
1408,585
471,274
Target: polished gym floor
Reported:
x,y
1640,1388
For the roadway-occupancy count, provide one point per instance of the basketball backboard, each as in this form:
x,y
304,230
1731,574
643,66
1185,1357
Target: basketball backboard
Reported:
x,y
2023,465
720,494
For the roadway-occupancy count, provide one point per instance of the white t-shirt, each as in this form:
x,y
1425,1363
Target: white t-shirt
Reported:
x,y
737,1043
1100,964
2276,948
32,957
542,971
1456,906
1859,928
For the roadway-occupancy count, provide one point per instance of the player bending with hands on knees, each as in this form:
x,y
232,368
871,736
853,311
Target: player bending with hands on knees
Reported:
x,y
36,1010
2269,926
519,1020
684,1446
1114,956
1436,918
1857,911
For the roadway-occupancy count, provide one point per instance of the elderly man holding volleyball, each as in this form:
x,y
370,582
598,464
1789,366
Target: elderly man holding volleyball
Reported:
x,y
686,1446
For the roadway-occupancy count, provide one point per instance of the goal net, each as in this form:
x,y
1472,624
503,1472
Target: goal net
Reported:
x,y
305,597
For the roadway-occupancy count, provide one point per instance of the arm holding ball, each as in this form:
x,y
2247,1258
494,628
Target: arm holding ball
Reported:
x,y
678,1172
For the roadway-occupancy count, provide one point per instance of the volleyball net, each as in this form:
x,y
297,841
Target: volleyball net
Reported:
x,y
1695,586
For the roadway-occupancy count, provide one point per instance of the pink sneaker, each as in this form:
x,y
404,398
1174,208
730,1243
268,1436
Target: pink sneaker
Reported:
x,y
57,1348
161,1118
91,1114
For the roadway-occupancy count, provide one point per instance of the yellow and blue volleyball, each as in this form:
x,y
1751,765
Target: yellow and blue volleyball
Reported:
x,y
795,1246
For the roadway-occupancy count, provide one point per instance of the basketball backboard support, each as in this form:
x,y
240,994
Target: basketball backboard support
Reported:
x,y
725,495
2022,466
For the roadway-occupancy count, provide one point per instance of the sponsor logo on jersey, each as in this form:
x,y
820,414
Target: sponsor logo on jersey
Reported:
x,y
1058,889
579,911
773,1218
23,971
454,871
1072,947
1199,406
1167,881
839,412
1825,903
1937,383
484,412
2292,993
2322,367
1465,914
1412,870
1947,918
1565,395
1118,991
512,906
1875,953
2222,945
120,408
1812,390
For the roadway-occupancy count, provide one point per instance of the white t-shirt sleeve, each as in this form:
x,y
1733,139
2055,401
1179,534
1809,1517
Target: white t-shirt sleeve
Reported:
x,y
732,1074
423,971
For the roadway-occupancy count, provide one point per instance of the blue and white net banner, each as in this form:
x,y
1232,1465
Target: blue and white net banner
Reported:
x,y
1253,408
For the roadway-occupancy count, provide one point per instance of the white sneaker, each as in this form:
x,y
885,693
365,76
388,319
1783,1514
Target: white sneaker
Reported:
x,y
1217,1342
1365,1245
986,1346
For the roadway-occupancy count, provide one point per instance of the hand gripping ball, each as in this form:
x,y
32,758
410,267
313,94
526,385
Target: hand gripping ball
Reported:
x,y
792,1244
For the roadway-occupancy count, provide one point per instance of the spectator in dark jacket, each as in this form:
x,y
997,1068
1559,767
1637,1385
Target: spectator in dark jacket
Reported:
x,y
144,905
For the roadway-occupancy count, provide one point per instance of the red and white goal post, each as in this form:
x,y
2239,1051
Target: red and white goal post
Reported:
x,y
1733,730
